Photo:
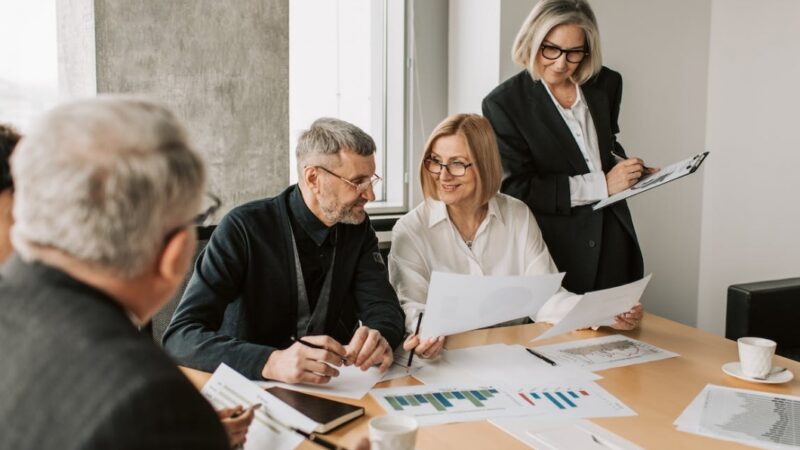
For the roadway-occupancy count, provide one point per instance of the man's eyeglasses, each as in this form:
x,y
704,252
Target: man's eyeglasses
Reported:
x,y
199,219
455,168
574,56
358,187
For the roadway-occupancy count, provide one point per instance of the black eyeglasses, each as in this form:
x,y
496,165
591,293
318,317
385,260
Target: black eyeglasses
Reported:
x,y
358,187
455,168
199,219
574,56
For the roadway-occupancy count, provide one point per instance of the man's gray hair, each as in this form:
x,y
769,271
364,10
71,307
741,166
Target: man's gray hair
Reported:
x,y
105,180
327,136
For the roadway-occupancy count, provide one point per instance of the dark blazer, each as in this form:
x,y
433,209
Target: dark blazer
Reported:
x,y
539,154
241,303
76,374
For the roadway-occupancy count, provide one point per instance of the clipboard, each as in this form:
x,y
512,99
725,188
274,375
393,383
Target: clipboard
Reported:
x,y
672,172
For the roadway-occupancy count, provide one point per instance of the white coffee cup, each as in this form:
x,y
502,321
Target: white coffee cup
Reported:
x,y
755,356
393,433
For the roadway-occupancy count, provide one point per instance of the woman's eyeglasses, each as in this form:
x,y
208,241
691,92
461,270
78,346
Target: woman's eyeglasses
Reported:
x,y
455,168
574,56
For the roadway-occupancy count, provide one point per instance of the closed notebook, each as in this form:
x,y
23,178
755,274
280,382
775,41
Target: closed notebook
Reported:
x,y
328,413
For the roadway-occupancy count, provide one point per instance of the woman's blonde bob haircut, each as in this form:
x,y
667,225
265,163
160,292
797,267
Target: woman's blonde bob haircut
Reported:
x,y
548,14
483,152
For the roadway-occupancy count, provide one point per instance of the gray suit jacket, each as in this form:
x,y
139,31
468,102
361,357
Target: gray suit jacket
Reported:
x,y
76,374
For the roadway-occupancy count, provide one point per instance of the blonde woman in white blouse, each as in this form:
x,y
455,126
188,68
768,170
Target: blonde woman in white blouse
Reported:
x,y
466,226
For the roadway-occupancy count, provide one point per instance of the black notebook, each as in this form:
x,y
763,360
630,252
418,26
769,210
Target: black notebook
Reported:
x,y
328,413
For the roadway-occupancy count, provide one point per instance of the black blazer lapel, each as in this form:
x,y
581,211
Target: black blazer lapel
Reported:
x,y
544,109
597,100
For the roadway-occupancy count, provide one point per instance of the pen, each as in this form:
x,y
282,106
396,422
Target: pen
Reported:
x,y
541,356
622,158
242,412
318,347
310,436
411,356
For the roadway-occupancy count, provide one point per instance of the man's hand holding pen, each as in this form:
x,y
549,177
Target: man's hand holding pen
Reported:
x,y
310,360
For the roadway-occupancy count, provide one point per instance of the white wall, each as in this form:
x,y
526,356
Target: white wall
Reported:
x,y
663,120
751,211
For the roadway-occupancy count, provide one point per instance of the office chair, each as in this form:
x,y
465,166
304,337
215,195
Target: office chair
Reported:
x,y
768,309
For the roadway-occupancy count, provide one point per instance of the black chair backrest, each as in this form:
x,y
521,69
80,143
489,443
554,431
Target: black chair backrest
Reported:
x,y
162,319
768,309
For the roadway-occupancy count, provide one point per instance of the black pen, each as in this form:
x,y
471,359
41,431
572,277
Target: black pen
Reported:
x,y
621,158
411,356
245,410
318,347
541,356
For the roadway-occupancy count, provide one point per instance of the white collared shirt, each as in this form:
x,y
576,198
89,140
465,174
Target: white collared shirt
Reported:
x,y
508,242
591,187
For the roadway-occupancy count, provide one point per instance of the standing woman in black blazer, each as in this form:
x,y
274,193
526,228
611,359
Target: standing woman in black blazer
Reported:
x,y
556,126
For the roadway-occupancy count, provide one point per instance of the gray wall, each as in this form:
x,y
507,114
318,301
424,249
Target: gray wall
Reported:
x,y
663,120
223,67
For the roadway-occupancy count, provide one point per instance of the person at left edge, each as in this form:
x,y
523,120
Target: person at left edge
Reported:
x,y
304,264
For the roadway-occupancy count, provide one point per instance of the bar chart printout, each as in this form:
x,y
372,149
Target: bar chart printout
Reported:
x,y
589,400
434,405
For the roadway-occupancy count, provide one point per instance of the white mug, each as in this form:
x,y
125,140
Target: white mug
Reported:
x,y
393,433
755,356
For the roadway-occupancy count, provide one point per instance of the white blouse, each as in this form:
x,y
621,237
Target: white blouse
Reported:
x,y
590,187
508,242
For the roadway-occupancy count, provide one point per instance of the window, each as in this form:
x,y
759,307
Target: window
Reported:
x,y
346,60
28,60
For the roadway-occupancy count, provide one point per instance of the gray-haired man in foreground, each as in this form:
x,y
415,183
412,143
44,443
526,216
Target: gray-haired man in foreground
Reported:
x,y
106,190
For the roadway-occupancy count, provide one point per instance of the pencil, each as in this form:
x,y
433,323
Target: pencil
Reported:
x,y
411,356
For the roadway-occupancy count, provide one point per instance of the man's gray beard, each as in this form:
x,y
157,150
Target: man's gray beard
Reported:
x,y
343,215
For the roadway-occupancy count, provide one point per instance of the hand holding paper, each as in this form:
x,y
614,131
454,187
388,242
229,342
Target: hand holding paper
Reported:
x,y
599,308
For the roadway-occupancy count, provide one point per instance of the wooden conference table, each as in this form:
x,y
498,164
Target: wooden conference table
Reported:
x,y
658,391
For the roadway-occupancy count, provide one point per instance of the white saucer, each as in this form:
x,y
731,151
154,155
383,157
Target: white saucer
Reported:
x,y
734,369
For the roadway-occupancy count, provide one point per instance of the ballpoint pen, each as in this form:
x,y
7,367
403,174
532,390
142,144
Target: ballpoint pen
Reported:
x,y
622,158
541,356
310,436
319,347
244,411
411,355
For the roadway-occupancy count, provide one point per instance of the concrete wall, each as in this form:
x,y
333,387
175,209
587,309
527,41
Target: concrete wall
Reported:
x,y
661,49
751,212
223,67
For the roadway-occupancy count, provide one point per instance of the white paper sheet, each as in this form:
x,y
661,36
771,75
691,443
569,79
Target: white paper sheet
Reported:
x,y
599,308
759,419
458,303
352,382
227,388
567,434
604,353
437,404
494,364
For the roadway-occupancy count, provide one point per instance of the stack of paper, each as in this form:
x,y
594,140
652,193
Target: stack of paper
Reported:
x,y
759,419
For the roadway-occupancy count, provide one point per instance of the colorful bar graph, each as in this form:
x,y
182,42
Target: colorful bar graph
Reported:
x,y
441,401
566,399
553,400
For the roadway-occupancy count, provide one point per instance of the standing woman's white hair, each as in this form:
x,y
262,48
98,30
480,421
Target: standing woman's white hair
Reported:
x,y
105,180
548,14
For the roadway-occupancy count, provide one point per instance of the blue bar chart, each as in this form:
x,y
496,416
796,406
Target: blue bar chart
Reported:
x,y
561,399
441,400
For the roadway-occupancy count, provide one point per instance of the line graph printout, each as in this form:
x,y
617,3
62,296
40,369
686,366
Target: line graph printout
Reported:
x,y
604,352
759,419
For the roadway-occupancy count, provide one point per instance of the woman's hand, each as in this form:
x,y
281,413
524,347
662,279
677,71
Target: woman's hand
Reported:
x,y
629,320
430,348
236,422
625,174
